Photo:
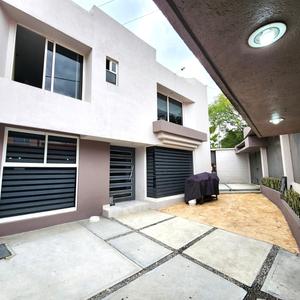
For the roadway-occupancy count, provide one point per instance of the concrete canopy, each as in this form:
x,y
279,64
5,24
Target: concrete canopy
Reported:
x,y
262,83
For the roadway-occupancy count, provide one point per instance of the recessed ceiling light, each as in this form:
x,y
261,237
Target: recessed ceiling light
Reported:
x,y
276,121
267,35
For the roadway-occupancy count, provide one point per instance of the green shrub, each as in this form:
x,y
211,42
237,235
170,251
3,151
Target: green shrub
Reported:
x,y
293,200
273,183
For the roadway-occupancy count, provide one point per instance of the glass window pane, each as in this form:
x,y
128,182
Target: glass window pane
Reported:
x,y
25,147
68,73
107,64
29,57
113,67
48,74
175,111
61,150
161,107
111,77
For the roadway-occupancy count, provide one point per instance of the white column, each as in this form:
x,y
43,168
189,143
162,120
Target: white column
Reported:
x,y
264,162
287,159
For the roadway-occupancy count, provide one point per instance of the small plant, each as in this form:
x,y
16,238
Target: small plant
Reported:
x,y
271,182
292,198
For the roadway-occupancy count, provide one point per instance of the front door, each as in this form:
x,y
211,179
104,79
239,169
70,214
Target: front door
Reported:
x,y
255,168
122,173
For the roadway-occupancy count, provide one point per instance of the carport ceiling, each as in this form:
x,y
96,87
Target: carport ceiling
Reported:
x,y
261,83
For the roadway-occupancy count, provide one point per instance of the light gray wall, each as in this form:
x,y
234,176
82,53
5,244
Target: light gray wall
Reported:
x,y
295,151
275,157
232,168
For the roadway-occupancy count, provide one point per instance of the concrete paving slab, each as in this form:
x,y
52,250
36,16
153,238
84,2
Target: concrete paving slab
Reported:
x,y
176,232
237,187
234,255
179,278
283,280
223,187
105,228
143,218
139,249
60,262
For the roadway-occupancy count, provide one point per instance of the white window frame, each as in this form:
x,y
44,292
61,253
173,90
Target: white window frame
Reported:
x,y
111,61
53,61
38,165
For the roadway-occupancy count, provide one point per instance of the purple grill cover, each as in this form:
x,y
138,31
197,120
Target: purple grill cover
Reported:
x,y
203,184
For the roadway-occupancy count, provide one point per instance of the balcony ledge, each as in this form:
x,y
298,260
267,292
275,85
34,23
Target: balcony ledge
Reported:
x,y
177,136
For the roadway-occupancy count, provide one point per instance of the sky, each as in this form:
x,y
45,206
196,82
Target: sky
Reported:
x,y
144,19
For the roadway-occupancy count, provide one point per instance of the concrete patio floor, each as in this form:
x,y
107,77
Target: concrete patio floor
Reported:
x,y
251,215
145,255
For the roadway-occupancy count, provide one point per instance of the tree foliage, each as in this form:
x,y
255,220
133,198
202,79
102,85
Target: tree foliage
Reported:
x,y
226,124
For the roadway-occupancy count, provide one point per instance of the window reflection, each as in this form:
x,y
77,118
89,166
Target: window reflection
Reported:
x,y
48,78
162,107
61,150
169,109
25,147
175,111
68,73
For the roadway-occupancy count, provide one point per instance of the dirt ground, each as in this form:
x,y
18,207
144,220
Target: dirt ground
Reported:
x,y
251,215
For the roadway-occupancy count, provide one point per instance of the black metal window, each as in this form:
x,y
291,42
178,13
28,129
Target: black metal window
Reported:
x,y
39,173
167,170
169,109
45,64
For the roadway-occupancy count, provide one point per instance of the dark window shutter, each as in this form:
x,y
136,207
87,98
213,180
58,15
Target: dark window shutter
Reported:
x,y
167,170
31,190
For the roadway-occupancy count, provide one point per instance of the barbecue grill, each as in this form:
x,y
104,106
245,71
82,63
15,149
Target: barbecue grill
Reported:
x,y
202,187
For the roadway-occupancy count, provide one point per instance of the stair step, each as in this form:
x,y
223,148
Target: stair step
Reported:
x,y
123,208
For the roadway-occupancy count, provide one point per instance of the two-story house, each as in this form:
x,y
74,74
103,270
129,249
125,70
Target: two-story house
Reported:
x,y
86,113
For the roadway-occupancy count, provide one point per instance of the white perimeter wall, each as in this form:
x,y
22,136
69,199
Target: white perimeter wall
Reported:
x,y
232,168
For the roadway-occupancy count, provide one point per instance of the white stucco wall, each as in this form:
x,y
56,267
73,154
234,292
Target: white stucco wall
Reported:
x,y
124,112
232,168
120,114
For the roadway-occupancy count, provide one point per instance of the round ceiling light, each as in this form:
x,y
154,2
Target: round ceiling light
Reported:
x,y
276,121
267,35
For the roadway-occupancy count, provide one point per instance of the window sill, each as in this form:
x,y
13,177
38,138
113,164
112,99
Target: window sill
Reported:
x,y
37,215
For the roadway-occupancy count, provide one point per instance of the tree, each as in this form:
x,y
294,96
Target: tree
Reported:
x,y
226,124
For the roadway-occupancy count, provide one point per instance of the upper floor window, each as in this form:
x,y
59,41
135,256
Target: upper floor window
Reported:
x,y
169,109
44,64
111,71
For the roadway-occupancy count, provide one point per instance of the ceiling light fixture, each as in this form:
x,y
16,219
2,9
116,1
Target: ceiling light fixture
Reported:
x,y
267,35
276,121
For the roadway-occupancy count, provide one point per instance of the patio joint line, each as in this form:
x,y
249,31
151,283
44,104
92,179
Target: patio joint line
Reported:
x,y
215,271
255,290
135,276
153,266
191,243
172,217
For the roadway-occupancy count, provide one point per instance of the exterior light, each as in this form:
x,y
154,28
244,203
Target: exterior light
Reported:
x,y
267,35
276,121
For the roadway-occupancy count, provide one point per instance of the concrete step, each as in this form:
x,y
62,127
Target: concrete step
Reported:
x,y
123,208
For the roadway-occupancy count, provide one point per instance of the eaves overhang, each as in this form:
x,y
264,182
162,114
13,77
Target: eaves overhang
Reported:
x,y
262,83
